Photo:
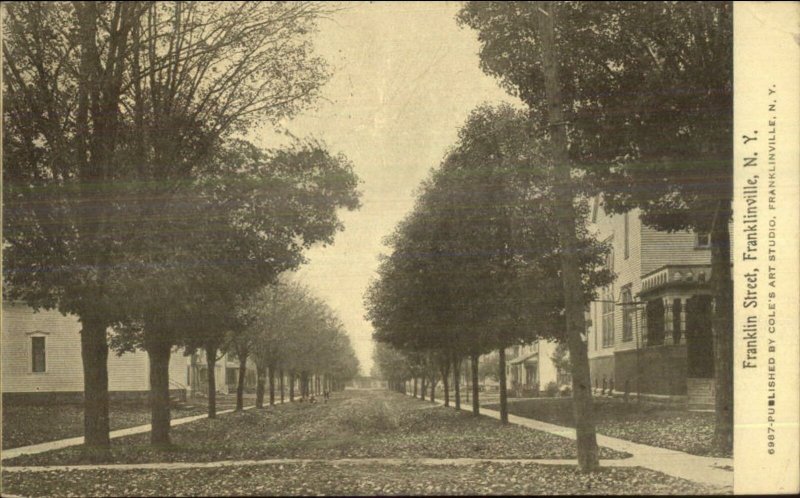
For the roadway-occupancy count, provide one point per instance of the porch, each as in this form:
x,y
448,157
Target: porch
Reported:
x,y
677,342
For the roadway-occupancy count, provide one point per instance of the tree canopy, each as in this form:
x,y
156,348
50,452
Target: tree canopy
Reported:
x,y
475,266
647,97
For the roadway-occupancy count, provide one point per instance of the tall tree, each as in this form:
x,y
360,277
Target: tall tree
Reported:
x,y
108,105
250,218
476,266
588,459
647,97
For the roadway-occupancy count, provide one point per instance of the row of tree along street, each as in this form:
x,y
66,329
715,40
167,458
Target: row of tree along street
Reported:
x,y
631,101
131,201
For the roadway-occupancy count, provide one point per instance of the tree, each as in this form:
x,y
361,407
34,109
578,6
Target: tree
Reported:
x,y
489,366
107,106
252,215
588,458
647,94
476,264
62,76
291,330
391,365
241,347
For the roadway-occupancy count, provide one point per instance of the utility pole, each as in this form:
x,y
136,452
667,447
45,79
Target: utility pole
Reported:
x,y
570,263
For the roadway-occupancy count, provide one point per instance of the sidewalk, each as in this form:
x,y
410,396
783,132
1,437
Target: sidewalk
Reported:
x,y
75,441
704,470
304,461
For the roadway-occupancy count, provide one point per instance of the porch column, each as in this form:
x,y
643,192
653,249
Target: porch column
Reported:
x,y
682,320
643,327
668,338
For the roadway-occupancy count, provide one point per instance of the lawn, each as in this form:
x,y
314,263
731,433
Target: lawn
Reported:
x,y
351,425
26,425
364,479
646,423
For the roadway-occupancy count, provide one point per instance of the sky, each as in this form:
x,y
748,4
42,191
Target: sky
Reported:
x,y
405,77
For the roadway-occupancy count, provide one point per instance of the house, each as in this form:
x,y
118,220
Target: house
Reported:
x,y
198,374
649,332
226,373
530,369
41,361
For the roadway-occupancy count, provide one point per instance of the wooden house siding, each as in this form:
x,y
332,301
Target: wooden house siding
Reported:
x,y
628,274
64,367
663,248
649,249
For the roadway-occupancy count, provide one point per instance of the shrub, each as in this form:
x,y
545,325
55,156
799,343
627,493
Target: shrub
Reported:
x,y
551,389
566,390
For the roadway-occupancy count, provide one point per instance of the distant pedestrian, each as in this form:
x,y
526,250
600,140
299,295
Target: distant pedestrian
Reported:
x,y
326,395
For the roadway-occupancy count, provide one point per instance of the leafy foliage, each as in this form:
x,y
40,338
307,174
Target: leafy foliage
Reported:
x,y
648,100
291,329
476,266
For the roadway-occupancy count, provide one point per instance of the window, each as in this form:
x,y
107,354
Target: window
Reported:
x,y
530,375
563,377
38,356
608,302
702,240
655,322
595,206
231,376
610,255
628,313
626,233
608,317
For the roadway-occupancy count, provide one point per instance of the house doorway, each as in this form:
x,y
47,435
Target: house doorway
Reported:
x,y
699,340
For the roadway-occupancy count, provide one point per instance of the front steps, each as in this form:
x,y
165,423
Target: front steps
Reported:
x,y
700,393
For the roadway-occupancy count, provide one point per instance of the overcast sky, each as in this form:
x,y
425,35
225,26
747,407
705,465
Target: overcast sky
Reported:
x,y
405,77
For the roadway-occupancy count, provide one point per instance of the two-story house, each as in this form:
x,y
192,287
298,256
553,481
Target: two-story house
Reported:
x,y
649,332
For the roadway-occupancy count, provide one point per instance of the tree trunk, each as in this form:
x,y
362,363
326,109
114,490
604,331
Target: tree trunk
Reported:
x,y
457,381
211,363
433,388
570,267
271,386
280,373
503,391
476,407
260,379
446,383
291,385
94,353
304,384
422,388
240,382
722,329
158,352
415,387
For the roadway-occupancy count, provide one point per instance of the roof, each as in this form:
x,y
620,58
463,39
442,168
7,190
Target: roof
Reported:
x,y
517,361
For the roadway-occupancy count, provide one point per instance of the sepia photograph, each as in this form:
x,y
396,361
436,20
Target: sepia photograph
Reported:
x,y
400,248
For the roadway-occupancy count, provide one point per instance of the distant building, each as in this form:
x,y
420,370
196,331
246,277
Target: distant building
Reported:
x,y
530,369
649,332
226,373
41,361
363,382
